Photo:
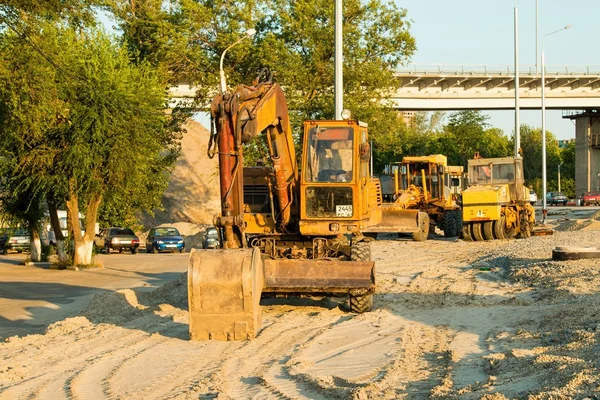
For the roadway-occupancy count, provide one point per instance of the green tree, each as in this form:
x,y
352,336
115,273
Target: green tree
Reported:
x,y
468,133
531,145
186,41
105,134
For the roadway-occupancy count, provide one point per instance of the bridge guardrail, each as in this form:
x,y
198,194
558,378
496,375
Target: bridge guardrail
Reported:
x,y
485,69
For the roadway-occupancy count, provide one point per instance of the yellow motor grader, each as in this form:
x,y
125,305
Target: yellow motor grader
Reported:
x,y
423,184
284,229
496,203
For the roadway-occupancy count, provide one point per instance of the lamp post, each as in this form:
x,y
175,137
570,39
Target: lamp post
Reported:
x,y
249,33
559,176
544,205
517,85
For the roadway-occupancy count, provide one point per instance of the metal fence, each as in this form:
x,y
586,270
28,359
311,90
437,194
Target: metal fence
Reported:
x,y
479,69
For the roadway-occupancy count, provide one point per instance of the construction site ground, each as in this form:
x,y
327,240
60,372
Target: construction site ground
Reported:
x,y
451,319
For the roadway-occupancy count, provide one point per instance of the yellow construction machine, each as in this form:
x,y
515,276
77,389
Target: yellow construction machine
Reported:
x,y
496,203
283,229
423,184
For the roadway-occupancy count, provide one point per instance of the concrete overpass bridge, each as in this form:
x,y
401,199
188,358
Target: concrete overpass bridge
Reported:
x,y
492,87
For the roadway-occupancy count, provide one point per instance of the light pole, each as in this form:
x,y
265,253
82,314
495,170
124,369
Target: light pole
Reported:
x,y
559,176
544,205
517,123
249,33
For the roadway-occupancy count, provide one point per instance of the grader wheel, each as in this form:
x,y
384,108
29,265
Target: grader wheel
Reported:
x,y
360,302
449,224
423,232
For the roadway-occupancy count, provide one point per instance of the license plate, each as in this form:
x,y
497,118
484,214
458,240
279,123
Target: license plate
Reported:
x,y
171,245
343,211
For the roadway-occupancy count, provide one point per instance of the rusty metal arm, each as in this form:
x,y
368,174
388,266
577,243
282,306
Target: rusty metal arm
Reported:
x,y
264,110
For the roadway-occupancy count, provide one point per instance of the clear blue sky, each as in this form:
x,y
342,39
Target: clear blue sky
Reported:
x,y
482,32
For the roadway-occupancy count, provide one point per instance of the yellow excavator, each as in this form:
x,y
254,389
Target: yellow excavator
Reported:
x,y
283,229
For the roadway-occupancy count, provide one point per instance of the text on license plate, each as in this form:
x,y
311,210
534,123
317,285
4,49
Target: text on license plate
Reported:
x,y
343,211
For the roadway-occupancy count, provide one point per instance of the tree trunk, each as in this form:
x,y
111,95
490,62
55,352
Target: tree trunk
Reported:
x,y
84,243
59,238
36,245
61,250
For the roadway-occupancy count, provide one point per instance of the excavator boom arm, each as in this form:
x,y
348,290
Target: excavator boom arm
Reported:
x,y
241,116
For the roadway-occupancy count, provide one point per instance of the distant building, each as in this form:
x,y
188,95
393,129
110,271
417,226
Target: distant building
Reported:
x,y
408,117
564,143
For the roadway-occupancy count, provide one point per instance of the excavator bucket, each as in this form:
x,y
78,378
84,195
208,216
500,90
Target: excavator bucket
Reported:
x,y
224,289
225,286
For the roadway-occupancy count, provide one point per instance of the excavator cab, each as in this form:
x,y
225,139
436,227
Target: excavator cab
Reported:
x,y
336,178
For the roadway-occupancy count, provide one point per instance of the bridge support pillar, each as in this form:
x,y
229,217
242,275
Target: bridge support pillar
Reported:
x,y
587,151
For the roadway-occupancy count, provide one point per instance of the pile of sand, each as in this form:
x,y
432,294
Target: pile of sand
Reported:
x,y
193,192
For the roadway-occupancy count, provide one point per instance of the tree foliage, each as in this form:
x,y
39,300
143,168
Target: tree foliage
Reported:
x,y
82,123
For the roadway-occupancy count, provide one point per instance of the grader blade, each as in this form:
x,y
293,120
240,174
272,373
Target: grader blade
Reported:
x,y
319,276
396,220
224,289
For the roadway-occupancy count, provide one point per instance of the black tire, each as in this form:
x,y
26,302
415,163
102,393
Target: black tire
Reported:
x,y
423,232
450,223
500,228
360,251
477,232
488,230
181,251
467,232
106,249
154,249
360,303
134,250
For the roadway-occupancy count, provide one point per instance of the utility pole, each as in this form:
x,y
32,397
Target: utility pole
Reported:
x,y
339,61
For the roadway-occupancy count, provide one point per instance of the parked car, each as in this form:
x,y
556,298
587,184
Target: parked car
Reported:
x,y
15,239
210,238
532,197
116,238
589,198
556,198
164,239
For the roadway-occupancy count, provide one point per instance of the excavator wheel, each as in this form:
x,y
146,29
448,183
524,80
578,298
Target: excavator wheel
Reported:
x,y
360,302
423,232
477,232
500,228
488,231
467,232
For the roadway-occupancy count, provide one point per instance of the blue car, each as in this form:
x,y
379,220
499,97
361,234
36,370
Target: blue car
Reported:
x,y
164,238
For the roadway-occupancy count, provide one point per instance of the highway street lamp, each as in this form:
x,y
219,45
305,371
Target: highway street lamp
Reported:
x,y
249,33
544,205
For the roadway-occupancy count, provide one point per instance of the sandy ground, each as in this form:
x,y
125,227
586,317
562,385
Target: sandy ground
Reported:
x,y
452,319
